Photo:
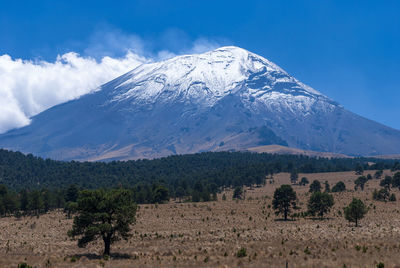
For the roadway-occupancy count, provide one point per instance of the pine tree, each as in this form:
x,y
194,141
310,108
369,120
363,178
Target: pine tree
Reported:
x,y
107,215
284,199
355,211
315,186
339,187
320,203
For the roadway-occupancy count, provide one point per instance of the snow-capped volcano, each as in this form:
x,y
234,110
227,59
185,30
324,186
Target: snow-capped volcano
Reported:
x,y
224,99
207,78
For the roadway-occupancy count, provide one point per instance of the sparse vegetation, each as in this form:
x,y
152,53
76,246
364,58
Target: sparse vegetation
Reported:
x,y
179,231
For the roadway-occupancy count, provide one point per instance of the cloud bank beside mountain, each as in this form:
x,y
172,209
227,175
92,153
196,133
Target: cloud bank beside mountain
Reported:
x,y
28,87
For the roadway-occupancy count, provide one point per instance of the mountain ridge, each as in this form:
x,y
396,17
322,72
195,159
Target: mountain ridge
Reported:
x,y
225,99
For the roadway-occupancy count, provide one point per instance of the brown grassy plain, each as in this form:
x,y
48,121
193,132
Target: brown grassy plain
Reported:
x,y
210,234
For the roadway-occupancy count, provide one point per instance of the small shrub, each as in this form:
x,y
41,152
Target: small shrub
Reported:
x,y
380,265
364,249
24,265
241,253
381,195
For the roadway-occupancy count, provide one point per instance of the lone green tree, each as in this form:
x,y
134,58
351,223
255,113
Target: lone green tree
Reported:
x,y
315,186
320,203
396,180
284,199
359,169
303,181
36,204
355,211
339,187
294,176
327,187
160,194
360,183
237,193
386,182
72,193
180,193
103,214
381,195
24,201
378,174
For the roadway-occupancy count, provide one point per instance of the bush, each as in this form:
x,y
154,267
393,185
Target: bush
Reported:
x,y
303,181
237,193
378,174
24,265
241,253
339,187
392,198
315,186
381,195
386,182
360,182
380,265
327,187
396,180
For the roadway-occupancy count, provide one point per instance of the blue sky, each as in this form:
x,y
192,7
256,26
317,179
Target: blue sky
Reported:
x,y
348,50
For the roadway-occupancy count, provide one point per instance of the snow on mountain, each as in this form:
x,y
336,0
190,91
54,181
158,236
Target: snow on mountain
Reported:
x,y
206,77
226,99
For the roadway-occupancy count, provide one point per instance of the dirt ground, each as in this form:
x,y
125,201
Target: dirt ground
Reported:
x,y
210,234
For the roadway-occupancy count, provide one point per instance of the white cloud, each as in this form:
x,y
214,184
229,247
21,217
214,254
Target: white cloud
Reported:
x,y
28,87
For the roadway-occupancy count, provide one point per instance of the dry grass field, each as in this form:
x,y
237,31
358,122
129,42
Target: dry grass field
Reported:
x,y
210,234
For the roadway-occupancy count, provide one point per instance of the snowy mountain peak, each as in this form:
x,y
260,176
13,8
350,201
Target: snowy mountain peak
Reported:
x,y
207,77
225,99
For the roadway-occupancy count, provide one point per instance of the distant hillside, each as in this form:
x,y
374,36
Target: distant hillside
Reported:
x,y
279,149
393,156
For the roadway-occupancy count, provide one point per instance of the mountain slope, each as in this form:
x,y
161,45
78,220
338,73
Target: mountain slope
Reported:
x,y
283,150
226,99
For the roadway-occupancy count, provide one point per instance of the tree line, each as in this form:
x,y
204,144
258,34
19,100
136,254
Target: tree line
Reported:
x,y
36,202
198,176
